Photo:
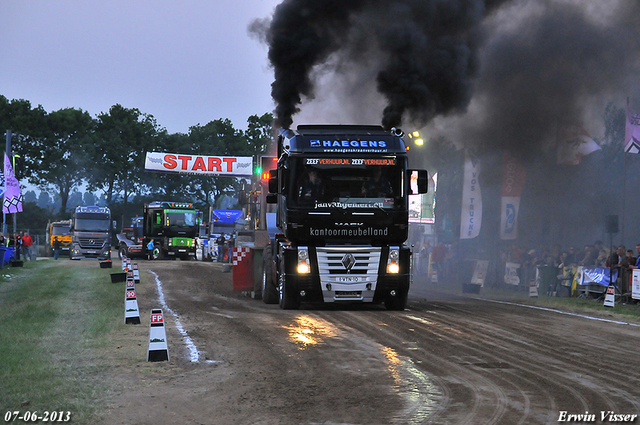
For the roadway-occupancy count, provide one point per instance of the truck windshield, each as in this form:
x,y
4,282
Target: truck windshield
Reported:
x,y
181,218
60,230
91,225
346,183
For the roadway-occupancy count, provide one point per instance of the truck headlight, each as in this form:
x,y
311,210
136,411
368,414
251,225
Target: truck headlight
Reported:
x,y
393,266
303,261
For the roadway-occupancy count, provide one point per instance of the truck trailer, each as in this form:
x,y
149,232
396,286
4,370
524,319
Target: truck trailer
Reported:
x,y
342,195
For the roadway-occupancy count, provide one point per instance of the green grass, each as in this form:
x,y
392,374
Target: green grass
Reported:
x,y
54,318
621,311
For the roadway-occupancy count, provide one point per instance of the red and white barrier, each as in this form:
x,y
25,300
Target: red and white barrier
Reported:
x,y
131,311
610,298
158,349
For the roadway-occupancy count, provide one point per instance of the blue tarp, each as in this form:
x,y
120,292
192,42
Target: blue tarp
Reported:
x,y
9,254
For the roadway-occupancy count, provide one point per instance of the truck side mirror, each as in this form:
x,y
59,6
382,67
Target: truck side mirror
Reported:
x,y
272,198
422,182
273,181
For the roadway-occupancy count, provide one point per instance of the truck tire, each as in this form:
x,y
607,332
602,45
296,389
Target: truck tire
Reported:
x,y
288,298
122,252
269,290
397,303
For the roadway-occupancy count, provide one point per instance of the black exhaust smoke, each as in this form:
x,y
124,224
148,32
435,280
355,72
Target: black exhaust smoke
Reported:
x,y
425,50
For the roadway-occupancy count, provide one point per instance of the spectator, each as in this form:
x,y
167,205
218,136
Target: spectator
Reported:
x,y
3,241
438,255
150,248
220,242
589,259
636,264
618,259
15,243
56,248
571,256
27,242
601,259
597,245
630,258
565,261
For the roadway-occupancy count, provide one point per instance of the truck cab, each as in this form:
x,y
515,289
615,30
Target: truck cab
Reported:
x,y
173,227
90,231
342,211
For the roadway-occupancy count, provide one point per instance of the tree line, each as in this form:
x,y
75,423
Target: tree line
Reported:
x,y
64,150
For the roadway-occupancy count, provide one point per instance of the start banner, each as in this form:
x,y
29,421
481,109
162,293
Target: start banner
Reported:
x,y
235,166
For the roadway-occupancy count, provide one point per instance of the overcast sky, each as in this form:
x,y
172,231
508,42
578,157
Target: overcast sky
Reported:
x,y
185,63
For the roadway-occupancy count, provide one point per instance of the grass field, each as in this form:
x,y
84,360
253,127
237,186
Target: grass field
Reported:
x,y
55,318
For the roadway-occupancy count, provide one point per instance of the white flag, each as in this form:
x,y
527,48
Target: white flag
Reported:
x,y
574,143
471,215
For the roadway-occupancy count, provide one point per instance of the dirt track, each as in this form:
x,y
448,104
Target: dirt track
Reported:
x,y
447,359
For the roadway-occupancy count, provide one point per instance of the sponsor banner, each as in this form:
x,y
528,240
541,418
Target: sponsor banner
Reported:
x,y
595,275
12,202
635,284
513,178
236,166
632,132
511,274
471,215
480,272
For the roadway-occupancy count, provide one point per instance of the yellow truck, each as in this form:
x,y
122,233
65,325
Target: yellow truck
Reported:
x,y
59,229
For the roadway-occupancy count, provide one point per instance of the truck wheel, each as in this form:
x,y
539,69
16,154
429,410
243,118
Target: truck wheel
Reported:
x,y
157,254
288,299
269,291
122,252
399,302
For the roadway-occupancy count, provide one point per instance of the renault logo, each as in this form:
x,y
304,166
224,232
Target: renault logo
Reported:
x,y
348,261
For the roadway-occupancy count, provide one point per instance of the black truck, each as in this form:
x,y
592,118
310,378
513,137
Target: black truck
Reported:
x,y
342,197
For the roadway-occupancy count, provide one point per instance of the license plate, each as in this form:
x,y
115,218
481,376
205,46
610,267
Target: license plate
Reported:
x,y
92,252
348,294
349,279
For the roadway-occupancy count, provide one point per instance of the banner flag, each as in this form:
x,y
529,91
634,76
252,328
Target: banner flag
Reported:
x,y
12,202
632,132
596,275
233,166
471,215
513,178
574,143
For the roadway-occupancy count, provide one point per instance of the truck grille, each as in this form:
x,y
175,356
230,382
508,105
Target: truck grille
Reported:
x,y
348,262
91,243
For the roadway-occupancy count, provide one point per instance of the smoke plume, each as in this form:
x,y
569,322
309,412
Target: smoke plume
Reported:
x,y
424,52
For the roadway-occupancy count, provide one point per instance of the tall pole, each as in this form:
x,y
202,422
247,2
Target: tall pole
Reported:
x,y
8,149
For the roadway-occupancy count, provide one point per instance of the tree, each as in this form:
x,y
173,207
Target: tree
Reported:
x,y
57,159
123,136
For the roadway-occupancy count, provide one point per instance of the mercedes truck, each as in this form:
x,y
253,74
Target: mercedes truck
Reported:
x,y
90,231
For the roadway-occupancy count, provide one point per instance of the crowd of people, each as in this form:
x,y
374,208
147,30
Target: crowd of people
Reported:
x,y
444,261
21,243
